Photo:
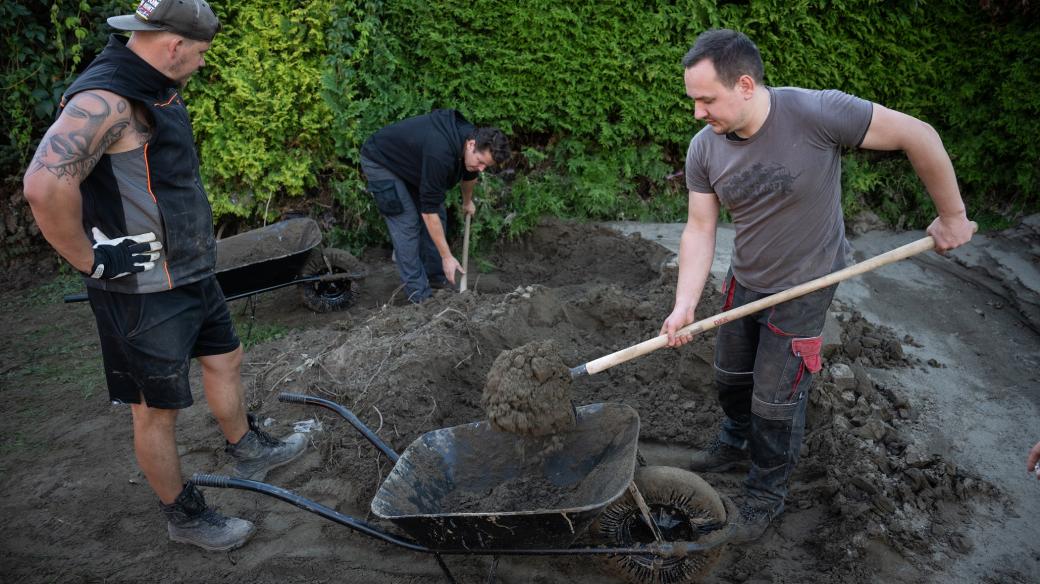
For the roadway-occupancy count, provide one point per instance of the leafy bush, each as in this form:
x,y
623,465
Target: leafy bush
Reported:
x,y
44,45
365,87
595,87
257,110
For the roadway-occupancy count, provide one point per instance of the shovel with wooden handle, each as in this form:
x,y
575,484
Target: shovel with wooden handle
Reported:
x,y
465,254
648,346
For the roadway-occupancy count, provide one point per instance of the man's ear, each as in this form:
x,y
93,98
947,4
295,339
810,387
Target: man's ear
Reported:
x,y
746,86
471,145
174,45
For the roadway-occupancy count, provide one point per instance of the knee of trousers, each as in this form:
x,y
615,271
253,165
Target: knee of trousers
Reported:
x,y
776,430
733,379
734,393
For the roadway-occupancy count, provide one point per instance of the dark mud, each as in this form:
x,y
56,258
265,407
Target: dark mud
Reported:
x,y
868,493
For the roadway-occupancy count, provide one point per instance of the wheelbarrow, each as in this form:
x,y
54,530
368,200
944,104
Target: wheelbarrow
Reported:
x,y
472,490
286,253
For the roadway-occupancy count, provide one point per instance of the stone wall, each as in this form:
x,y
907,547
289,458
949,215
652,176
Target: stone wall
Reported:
x,y
24,254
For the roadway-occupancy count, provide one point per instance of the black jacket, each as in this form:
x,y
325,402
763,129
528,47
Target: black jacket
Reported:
x,y
154,188
425,152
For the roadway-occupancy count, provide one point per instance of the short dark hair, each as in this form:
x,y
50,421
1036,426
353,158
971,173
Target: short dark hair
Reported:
x,y
493,140
732,53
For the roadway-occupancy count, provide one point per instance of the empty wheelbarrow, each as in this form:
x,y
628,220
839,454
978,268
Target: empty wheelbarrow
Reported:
x,y
472,490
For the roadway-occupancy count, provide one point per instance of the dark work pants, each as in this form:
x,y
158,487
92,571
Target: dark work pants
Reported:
x,y
417,258
763,371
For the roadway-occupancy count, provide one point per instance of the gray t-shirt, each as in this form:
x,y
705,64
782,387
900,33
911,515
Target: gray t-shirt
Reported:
x,y
782,186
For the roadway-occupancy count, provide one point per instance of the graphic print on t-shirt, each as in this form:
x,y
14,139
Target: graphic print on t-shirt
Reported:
x,y
759,182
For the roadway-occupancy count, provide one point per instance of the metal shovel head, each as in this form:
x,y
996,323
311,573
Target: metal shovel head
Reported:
x,y
549,488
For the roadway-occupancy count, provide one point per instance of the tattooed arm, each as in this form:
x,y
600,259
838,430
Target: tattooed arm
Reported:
x,y
91,123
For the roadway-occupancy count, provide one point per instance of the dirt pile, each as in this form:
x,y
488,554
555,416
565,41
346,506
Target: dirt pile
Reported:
x,y
863,484
528,391
870,500
862,464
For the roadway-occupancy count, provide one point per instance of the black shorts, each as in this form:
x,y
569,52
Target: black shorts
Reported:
x,y
147,340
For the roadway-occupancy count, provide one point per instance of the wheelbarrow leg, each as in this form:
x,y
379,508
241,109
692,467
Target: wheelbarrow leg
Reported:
x,y
494,567
444,568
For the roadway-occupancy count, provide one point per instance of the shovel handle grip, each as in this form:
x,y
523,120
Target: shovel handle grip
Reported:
x,y
651,345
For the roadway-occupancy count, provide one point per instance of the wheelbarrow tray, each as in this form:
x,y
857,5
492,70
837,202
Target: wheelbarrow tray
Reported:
x,y
265,257
572,476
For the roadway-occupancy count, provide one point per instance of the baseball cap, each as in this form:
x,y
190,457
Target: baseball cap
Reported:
x,y
193,19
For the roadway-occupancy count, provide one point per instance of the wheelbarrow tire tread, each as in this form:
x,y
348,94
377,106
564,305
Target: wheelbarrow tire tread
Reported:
x,y
663,487
329,297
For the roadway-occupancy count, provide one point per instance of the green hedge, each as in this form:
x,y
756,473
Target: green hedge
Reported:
x,y
259,116
44,44
608,75
591,94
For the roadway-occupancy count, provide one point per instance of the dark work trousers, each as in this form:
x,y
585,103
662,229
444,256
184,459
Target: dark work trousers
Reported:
x,y
417,258
763,371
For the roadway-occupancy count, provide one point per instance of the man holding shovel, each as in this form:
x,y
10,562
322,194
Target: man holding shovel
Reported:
x,y
772,157
409,166
115,189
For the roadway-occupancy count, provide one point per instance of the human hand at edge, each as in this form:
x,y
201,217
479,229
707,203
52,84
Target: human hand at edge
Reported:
x,y
451,265
951,232
679,318
1033,460
122,256
470,208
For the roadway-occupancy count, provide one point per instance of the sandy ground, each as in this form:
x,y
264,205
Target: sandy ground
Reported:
x,y
913,469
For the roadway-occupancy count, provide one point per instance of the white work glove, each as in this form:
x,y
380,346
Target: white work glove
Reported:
x,y
122,256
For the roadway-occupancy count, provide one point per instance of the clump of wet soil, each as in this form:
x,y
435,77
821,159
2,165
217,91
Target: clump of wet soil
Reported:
x,y
866,343
528,391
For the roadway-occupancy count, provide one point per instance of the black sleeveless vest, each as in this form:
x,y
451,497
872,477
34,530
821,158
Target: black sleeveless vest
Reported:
x,y
155,188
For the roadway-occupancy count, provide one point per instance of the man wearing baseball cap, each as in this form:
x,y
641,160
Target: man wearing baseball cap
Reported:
x,y
188,18
115,188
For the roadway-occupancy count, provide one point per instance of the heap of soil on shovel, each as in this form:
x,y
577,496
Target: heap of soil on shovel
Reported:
x,y
866,488
528,391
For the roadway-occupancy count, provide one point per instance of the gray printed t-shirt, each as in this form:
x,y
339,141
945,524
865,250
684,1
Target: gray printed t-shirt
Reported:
x,y
782,186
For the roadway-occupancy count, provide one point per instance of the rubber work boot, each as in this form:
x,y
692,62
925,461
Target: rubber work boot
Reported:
x,y
719,457
258,452
189,520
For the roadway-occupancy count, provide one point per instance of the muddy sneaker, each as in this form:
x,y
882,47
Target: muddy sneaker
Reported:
x,y
258,452
189,520
719,457
440,284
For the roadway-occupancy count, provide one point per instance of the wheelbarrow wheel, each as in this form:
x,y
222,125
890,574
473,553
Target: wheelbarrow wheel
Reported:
x,y
685,508
335,295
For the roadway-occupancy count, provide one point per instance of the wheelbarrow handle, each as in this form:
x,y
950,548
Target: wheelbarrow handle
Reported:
x,y
225,482
297,398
